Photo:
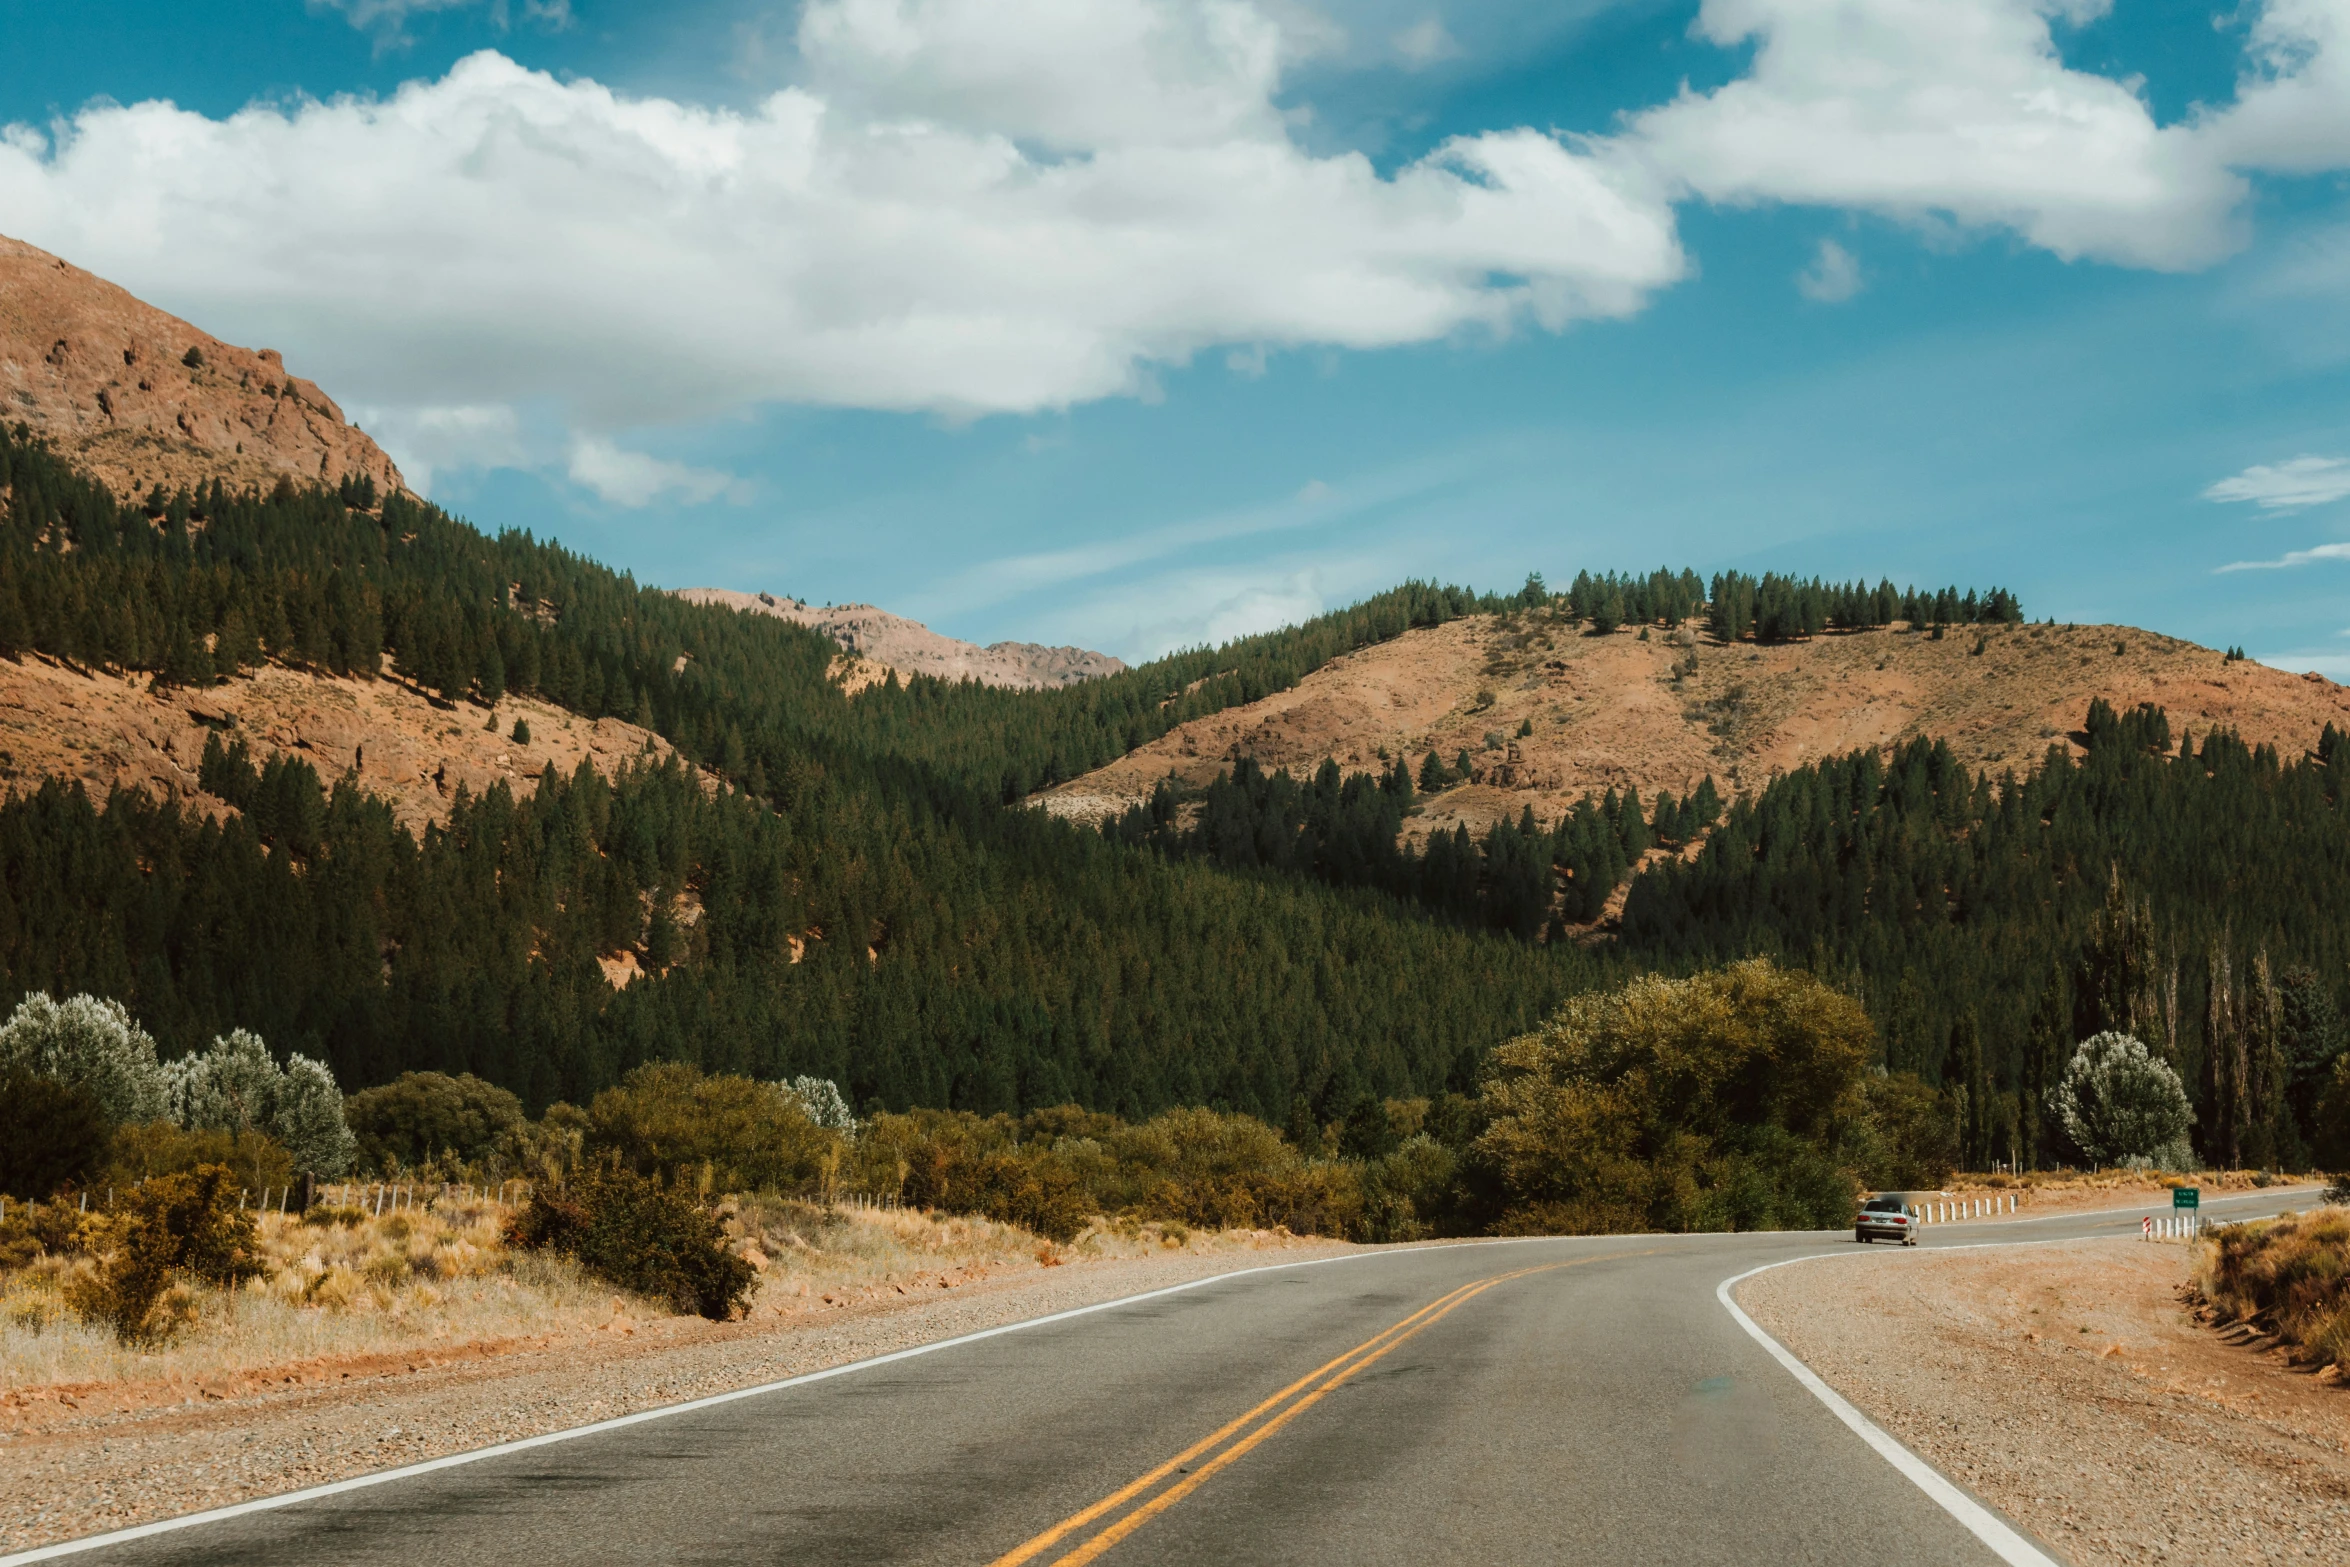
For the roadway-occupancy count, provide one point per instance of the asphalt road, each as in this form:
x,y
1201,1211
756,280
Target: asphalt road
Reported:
x,y
1568,1400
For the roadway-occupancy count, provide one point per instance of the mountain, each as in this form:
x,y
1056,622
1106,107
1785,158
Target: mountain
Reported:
x,y
137,397
709,850
1662,712
878,642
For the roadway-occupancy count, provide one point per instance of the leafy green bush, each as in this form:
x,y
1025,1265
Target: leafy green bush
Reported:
x,y
174,1229
730,1132
1054,1169
2119,1102
237,1086
1710,1102
93,1043
422,1115
53,1134
636,1233
1910,1140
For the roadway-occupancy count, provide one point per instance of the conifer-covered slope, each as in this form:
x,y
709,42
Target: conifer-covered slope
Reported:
x,y
1547,710
139,397
856,902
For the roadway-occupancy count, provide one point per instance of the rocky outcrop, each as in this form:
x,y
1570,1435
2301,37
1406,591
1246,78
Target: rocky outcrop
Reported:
x,y
138,397
876,637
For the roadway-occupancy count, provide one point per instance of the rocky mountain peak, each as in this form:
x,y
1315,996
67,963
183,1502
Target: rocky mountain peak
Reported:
x,y
138,397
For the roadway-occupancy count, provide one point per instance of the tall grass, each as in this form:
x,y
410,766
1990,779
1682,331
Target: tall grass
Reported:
x,y
2290,1275
343,1285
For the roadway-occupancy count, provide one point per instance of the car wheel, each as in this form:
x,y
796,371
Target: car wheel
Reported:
x,y
1863,1239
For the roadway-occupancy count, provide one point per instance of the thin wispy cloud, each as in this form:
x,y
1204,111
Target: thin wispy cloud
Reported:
x,y
1315,503
2287,486
2295,558
1832,277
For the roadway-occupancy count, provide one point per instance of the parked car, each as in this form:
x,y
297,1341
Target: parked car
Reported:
x,y
1890,1216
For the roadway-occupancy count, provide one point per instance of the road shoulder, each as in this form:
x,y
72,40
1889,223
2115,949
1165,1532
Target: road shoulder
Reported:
x,y
95,1464
2068,1386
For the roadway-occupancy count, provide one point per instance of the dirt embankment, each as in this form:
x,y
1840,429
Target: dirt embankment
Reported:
x,y
2071,1387
1606,712
139,397
114,733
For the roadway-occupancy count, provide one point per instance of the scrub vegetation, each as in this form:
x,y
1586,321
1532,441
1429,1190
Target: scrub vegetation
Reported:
x,y
2289,1277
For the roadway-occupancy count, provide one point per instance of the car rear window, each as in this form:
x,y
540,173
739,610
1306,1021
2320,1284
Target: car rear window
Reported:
x,y
1884,1205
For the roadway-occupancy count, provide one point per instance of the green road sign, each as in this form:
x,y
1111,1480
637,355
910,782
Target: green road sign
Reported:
x,y
2186,1197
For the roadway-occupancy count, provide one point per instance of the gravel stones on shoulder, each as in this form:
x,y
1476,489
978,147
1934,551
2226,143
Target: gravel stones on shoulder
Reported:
x,y
2069,1387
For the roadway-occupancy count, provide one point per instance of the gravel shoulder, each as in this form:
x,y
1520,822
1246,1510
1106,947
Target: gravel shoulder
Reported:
x,y
98,1457
2068,1386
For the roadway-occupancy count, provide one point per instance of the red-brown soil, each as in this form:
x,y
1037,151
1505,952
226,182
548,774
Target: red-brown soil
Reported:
x,y
1612,711
115,732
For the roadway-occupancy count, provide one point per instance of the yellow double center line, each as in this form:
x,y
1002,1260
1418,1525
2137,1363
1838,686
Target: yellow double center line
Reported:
x,y
1237,1436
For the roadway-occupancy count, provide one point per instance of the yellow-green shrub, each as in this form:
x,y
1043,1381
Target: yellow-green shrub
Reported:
x,y
1712,1102
2291,1273
730,1133
175,1229
142,1151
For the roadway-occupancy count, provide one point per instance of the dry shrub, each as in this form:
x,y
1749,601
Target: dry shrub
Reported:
x,y
141,1152
641,1236
2291,1274
174,1230
730,1133
36,1229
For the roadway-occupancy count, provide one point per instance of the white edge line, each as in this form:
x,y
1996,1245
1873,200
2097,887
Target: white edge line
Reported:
x,y
262,1504
313,1493
1948,1495
1985,1525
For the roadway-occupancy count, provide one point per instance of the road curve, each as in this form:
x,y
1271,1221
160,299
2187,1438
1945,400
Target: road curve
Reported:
x,y
1581,1400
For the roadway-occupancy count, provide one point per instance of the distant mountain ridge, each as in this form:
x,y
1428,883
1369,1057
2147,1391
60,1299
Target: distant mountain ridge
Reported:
x,y
893,642
137,397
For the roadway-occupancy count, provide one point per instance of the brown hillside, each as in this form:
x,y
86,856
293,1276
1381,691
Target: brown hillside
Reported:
x,y
105,377
115,733
877,641
1610,711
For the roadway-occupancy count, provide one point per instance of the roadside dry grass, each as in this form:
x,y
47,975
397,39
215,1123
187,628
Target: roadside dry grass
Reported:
x,y
2286,1281
441,1280
79,1457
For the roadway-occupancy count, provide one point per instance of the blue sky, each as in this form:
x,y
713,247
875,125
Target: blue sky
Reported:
x,y
1136,322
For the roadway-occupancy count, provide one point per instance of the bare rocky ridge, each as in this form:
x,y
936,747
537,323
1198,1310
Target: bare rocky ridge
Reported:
x,y
877,641
1611,711
106,378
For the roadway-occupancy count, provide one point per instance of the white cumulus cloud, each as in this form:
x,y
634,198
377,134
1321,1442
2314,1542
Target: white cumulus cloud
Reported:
x,y
633,479
1963,111
975,206
947,217
424,439
2287,486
